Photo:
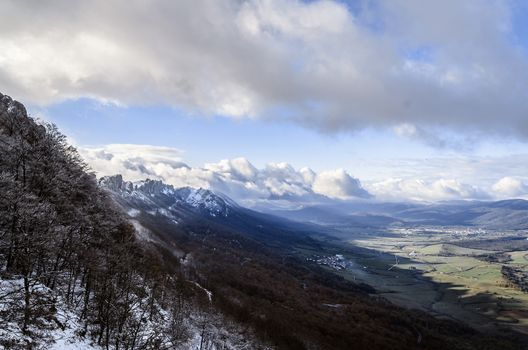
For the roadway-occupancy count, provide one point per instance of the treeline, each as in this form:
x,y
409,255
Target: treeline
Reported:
x,y
63,241
517,277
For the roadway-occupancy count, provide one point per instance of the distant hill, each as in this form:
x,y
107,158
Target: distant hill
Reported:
x,y
505,214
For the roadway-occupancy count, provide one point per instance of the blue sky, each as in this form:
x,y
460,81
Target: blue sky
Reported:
x,y
206,139
369,154
404,100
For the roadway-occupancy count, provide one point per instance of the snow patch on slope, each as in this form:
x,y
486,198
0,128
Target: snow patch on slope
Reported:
x,y
133,213
142,232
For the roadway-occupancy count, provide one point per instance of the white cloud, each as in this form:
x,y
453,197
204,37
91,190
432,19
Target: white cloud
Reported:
x,y
133,161
237,178
386,64
238,168
242,181
308,175
508,187
338,184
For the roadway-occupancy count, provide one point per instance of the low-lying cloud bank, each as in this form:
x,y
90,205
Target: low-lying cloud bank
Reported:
x,y
420,190
237,177
510,187
280,182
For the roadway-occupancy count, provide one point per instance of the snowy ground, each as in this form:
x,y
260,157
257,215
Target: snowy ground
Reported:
x,y
56,333
67,339
58,330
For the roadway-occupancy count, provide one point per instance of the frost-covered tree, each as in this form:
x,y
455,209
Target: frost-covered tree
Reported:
x,y
60,233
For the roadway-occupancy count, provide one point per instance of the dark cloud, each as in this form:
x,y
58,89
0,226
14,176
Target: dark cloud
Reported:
x,y
452,64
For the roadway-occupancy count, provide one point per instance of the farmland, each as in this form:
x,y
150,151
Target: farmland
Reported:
x,y
452,273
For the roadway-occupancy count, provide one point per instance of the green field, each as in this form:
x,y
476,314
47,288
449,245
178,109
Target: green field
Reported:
x,y
434,274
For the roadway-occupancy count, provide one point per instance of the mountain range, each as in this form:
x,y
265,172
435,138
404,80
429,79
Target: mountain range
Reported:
x,y
509,214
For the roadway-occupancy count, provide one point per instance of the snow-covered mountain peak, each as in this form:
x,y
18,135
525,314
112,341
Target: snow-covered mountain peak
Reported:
x,y
205,200
116,183
153,187
157,193
113,183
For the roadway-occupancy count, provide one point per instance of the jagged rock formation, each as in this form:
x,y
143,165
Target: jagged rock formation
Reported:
x,y
199,200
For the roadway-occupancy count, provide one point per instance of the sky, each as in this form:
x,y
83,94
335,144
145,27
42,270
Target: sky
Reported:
x,y
283,101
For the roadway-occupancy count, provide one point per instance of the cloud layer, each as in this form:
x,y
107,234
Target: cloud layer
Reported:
x,y
282,184
510,187
391,64
237,177
430,191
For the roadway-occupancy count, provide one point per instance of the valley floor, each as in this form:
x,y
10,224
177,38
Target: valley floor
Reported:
x,y
449,273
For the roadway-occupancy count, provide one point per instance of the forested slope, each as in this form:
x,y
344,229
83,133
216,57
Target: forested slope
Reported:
x,y
257,276
65,248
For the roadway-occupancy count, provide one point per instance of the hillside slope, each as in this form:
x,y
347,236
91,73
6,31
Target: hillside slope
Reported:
x,y
251,264
73,273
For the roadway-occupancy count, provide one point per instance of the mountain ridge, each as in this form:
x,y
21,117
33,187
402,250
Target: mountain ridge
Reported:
x,y
199,199
489,214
